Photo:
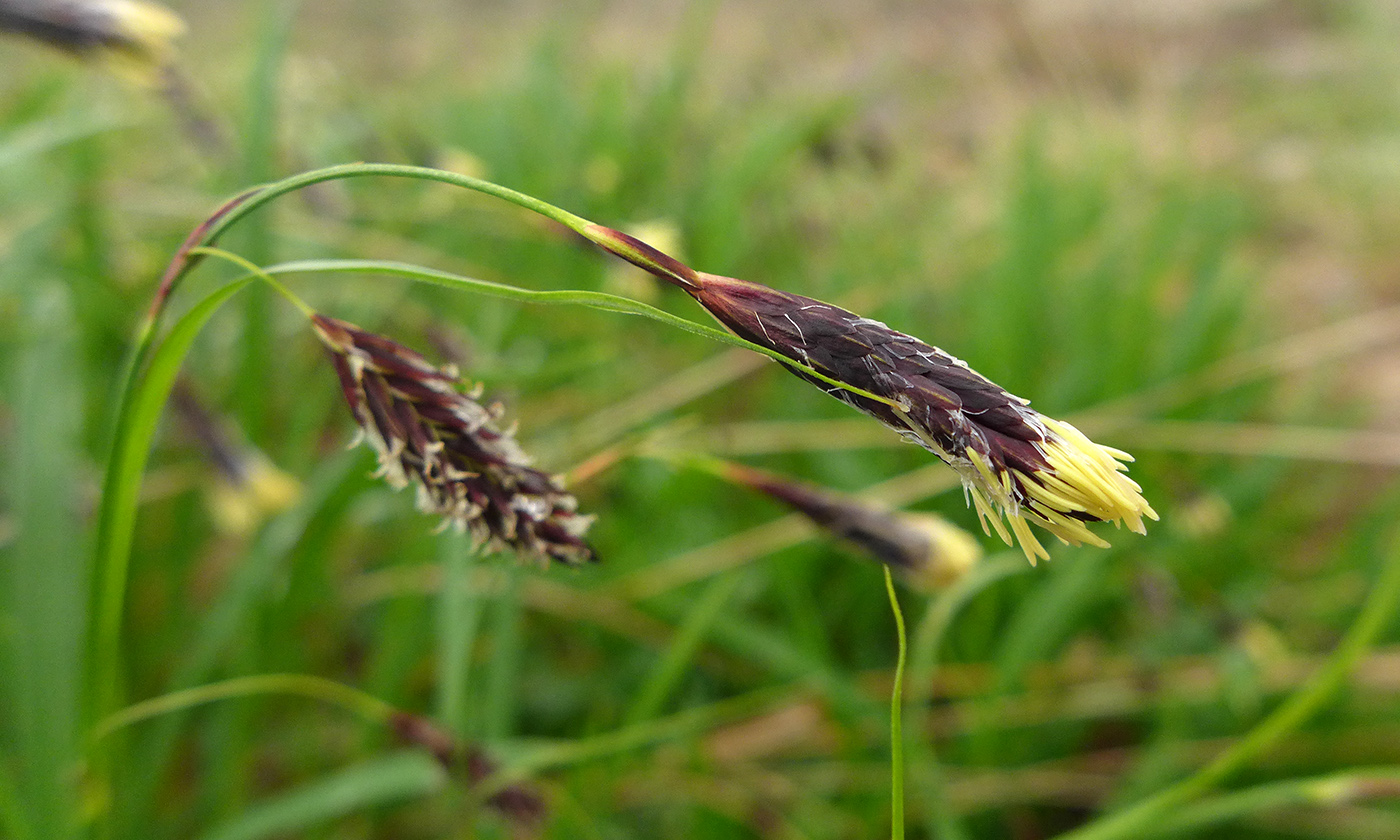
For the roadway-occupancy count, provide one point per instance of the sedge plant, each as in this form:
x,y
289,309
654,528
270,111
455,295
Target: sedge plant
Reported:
x,y
1018,467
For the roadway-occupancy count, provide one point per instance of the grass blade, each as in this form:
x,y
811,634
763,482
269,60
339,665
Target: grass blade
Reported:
x,y
459,616
381,781
1375,615
43,593
138,415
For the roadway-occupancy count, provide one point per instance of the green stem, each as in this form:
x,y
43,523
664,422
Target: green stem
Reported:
x,y
1319,791
459,616
367,706
625,247
356,170
923,666
1379,607
250,267
896,723
594,300
636,736
138,412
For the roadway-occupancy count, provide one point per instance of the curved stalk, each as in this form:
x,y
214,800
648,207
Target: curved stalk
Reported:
x,y
1135,820
593,300
367,706
896,723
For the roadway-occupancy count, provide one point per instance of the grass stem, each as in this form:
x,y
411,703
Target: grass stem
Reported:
x,y
303,685
896,721
1380,606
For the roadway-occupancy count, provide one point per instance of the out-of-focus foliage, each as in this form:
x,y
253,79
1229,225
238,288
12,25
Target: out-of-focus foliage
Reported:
x,y
1171,224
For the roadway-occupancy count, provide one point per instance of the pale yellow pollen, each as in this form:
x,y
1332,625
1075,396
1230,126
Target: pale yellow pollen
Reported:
x,y
992,495
1087,473
147,31
1082,477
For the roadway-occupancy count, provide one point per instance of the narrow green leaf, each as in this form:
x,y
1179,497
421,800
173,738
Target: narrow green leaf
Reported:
x,y
459,616
382,781
679,655
36,138
42,574
142,401
498,710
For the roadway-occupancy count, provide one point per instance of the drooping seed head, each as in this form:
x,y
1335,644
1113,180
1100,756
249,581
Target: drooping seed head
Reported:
x,y
927,550
517,803
1014,462
247,486
427,432
137,36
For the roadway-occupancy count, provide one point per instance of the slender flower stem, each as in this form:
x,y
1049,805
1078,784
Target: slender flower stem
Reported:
x,y
253,269
148,378
619,244
1318,791
1378,609
896,722
367,706
681,724
594,300
939,818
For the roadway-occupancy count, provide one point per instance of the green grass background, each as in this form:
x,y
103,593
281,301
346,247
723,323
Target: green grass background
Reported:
x,y
1173,227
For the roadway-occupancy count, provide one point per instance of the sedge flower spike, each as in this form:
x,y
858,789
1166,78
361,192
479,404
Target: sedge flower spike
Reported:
x,y
427,432
1016,464
929,552
135,36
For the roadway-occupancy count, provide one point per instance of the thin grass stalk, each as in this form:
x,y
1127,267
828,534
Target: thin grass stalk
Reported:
x,y
896,718
1379,608
258,165
364,705
940,820
683,647
459,616
137,416
236,208
1330,790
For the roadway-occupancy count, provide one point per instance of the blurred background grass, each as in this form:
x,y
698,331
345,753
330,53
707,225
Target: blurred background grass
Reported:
x,y
1170,223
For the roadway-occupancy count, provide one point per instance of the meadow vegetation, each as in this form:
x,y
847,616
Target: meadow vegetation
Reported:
x,y
1173,229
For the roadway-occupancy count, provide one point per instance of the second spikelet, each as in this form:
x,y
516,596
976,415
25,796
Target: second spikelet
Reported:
x,y
427,432
136,37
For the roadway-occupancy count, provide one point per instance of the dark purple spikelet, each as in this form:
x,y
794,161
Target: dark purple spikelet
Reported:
x,y
927,550
517,803
1014,462
137,33
427,432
